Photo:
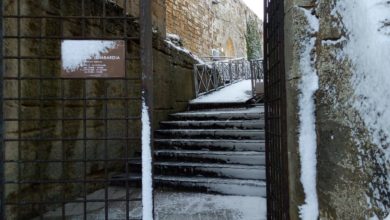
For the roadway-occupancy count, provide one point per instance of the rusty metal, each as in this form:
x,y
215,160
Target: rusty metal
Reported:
x,y
18,181
275,111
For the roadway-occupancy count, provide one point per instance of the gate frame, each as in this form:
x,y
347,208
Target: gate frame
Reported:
x,y
2,153
146,55
278,203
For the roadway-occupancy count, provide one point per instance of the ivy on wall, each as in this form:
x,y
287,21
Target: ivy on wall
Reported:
x,y
253,39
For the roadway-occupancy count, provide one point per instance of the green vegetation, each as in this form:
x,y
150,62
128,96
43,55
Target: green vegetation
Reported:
x,y
253,41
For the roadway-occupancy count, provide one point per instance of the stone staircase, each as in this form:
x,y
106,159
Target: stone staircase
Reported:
x,y
211,150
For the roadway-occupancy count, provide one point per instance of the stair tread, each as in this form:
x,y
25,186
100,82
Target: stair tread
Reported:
x,y
226,121
249,153
212,129
208,140
211,180
198,179
214,121
203,165
221,111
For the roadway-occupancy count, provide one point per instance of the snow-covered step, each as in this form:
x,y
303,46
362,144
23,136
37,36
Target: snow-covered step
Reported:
x,y
198,184
251,113
238,124
257,134
211,144
214,185
228,157
204,169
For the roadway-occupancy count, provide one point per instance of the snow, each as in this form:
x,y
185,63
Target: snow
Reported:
x,y
237,92
190,204
173,37
147,182
170,41
368,49
307,131
233,111
169,205
76,52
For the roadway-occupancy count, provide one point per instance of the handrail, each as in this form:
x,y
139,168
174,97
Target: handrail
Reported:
x,y
211,76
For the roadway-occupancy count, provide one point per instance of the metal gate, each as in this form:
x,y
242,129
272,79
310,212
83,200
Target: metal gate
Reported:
x,y
64,138
275,111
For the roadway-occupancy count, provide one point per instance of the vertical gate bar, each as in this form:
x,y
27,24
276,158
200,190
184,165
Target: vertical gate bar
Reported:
x,y
105,84
275,111
196,84
147,70
2,150
40,114
19,102
267,129
127,106
85,104
63,204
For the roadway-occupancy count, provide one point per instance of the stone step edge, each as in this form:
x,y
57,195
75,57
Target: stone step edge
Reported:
x,y
200,152
202,165
137,177
248,141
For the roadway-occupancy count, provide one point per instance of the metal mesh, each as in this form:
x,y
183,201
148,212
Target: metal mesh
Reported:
x,y
275,111
63,139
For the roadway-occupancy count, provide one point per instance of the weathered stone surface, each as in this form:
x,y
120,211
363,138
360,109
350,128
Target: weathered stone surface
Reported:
x,y
347,168
204,25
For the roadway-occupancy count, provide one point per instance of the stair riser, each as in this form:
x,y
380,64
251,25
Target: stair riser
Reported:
x,y
250,174
223,189
227,134
212,146
212,125
221,116
204,158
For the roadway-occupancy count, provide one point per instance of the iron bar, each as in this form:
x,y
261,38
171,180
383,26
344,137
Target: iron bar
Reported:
x,y
2,145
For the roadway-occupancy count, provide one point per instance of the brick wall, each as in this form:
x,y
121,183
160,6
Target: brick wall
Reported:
x,y
204,26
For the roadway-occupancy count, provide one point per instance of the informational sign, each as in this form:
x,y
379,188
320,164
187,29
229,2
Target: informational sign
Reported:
x,y
93,58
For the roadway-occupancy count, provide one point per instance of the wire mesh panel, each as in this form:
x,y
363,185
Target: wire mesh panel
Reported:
x,y
64,137
275,111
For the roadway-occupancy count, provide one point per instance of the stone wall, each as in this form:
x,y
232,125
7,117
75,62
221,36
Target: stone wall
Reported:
x,y
158,12
204,25
64,139
351,171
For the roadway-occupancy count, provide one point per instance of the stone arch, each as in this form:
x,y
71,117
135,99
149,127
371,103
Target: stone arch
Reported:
x,y
229,48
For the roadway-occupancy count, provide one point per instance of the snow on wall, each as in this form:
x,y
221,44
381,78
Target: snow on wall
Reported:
x,y
174,37
76,52
367,24
307,131
147,186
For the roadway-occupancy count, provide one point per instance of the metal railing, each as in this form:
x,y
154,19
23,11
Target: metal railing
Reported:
x,y
257,77
211,76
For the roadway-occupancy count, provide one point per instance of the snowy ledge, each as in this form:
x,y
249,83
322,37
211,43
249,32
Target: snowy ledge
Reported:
x,y
172,38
